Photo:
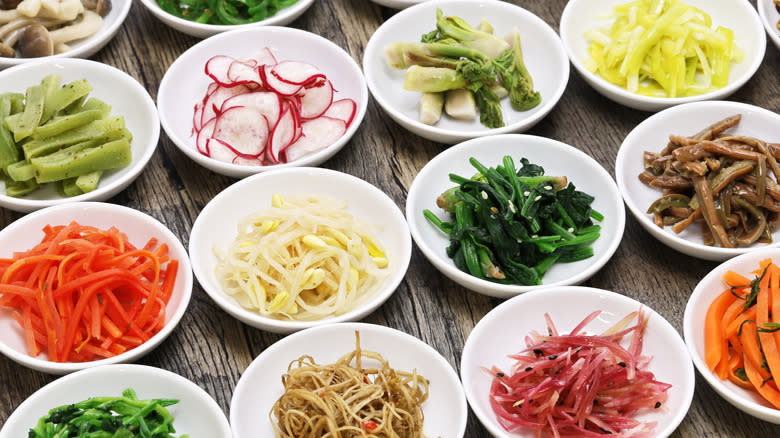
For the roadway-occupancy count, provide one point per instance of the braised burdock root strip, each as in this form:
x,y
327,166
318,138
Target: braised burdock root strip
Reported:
x,y
726,182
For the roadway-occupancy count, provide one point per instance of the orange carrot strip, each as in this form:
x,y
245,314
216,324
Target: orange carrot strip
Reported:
x,y
715,345
733,327
752,351
767,390
733,279
768,345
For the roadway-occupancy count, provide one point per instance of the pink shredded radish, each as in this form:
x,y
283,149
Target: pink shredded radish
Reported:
x,y
258,111
579,385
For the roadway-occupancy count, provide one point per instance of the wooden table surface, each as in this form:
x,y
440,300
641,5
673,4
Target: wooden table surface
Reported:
x,y
212,349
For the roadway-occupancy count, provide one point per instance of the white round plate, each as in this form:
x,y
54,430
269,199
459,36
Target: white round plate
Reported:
x,y
127,98
201,30
261,384
196,413
139,228
653,134
543,55
86,47
397,4
699,302
770,17
557,159
217,225
580,16
184,84
502,333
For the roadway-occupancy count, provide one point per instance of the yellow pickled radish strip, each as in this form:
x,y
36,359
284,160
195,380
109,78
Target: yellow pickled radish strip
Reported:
x,y
662,48
304,258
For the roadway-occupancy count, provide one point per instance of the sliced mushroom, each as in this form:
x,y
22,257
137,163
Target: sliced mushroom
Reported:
x,y
88,24
6,51
36,42
103,7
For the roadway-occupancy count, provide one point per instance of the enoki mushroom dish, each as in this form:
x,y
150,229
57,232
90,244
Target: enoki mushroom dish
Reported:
x,y
36,28
727,183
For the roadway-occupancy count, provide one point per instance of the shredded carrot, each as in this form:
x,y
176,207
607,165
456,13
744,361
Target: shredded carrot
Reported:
x,y
84,293
742,334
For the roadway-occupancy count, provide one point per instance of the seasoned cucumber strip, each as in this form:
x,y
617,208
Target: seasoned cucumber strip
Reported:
x,y
68,152
89,181
107,156
17,101
69,187
9,153
95,130
58,125
17,189
96,104
65,96
73,107
22,127
20,171
50,84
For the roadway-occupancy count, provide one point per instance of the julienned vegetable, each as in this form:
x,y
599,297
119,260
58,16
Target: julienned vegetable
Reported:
x,y
580,385
663,48
510,225
109,417
54,133
458,57
85,293
741,331
229,12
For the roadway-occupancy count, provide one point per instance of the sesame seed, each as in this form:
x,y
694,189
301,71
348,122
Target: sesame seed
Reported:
x,y
538,197
526,193
548,187
484,194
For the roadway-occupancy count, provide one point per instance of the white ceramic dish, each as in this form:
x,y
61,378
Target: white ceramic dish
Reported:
x,y
139,228
769,16
261,384
184,84
652,135
127,98
557,159
489,345
699,302
88,46
200,30
543,55
196,413
738,15
218,221
397,4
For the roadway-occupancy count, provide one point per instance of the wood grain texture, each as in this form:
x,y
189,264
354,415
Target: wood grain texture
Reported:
x,y
212,349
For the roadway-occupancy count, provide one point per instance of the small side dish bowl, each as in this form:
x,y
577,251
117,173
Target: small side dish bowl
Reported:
x,y
196,412
284,17
653,134
184,85
705,292
580,16
770,17
397,4
543,55
127,97
502,332
217,226
445,410
86,47
139,228
557,159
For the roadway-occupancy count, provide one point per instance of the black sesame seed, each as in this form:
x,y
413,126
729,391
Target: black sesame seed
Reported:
x,y
622,364
499,374
529,368
538,352
657,405
553,357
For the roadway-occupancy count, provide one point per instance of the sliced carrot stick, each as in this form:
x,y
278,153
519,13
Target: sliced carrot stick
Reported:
x,y
767,390
733,279
715,345
733,327
768,345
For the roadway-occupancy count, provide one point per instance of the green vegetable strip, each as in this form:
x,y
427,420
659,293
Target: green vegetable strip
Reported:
x,y
23,126
106,156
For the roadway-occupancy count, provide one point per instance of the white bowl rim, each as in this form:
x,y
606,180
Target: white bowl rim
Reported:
x,y
719,386
771,28
664,101
388,288
108,370
283,14
347,326
665,235
185,281
235,169
131,171
548,102
490,423
85,46
507,290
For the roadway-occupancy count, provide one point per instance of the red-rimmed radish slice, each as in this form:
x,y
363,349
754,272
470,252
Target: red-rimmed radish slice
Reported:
x,y
243,129
214,101
203,136
217,69
220,151
262,57
318,134
343,109
197,113
244,73
282,134
297,72
241,161
316,100
267,102
275,84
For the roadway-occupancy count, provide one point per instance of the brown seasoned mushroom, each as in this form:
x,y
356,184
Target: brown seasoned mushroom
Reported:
x,y
101,7
36,42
